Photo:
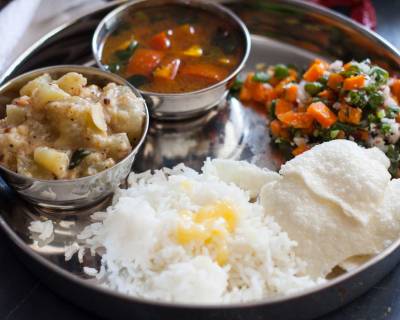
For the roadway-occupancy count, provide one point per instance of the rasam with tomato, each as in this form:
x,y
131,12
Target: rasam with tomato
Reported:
x,y
172,49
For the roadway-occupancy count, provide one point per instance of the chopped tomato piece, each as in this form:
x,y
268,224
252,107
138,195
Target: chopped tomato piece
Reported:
x,y
144,61
355,82
300,149
296,119
282,106
160,41
322,114
335,80
203,70
168,70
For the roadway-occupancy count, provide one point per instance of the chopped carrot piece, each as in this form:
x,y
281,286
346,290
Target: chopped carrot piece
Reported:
x,y
144,61
160,41
249,80
278,130
362,135
275,128
335,80
355,115
282,106
355,82
308,131
348,65
326,94
168,70
293,74
261,92
300,149
315,72
245,94
323,63
296,119
349,114
203,70
291,93
322,114
396,89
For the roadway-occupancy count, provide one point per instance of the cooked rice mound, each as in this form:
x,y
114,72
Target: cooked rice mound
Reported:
x,y
182,236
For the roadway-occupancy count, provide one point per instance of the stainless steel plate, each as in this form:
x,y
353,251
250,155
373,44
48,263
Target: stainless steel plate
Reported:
x,y
282,31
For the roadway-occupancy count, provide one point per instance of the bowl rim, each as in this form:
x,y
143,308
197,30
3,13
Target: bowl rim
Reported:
x,y
81,69
209,6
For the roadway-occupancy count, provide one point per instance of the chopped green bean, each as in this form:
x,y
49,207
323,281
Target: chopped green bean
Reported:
x,y
281,71
313,88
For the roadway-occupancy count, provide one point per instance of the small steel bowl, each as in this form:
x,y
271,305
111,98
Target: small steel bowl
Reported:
x,y
176,106
74,193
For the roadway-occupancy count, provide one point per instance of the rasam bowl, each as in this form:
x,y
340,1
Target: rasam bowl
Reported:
x,y
177,105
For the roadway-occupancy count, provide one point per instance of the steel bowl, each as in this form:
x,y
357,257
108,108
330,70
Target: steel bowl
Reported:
x,y
73,193
176,105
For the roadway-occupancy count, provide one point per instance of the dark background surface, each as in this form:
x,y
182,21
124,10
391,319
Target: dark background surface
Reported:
x,y
23,296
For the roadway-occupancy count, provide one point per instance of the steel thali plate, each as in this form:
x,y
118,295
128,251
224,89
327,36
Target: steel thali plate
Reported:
x,y
282,32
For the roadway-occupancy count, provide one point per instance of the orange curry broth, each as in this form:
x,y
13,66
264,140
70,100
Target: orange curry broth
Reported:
x,y
173,49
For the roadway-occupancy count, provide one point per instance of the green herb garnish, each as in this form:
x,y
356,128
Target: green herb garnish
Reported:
x,y
236,86
357,98
385,128
124,55
380,75
375,100
137,80
77,157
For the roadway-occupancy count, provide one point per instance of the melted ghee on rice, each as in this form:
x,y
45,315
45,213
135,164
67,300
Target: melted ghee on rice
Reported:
x,y
210,226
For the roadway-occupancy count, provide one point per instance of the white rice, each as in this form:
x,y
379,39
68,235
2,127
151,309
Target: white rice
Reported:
x,y
141,255
42,229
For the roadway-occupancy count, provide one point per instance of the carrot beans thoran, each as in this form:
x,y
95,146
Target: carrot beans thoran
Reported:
x,y
172,49
356,101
